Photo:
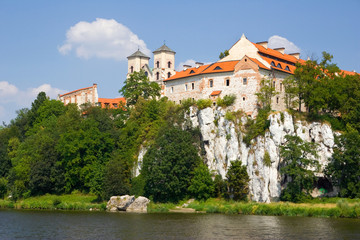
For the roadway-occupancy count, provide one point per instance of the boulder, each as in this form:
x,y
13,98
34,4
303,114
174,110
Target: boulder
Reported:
x,y
119,203
139,205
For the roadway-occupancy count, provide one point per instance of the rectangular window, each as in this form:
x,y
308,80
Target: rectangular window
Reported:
x,y
244,81
211,83
192,86
274,86
227,82
171,89
186,87
280,87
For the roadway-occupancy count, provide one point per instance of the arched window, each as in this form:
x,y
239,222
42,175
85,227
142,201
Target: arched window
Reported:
x,y
272,63
169,74
157,76
169,64
157,64
227,82
146,73
131,69
279,66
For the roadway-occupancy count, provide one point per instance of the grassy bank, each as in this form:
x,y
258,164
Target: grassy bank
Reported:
x,y
74,201
327,208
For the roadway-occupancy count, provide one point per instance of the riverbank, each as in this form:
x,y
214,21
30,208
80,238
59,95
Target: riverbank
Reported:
x,y
75,201
326,207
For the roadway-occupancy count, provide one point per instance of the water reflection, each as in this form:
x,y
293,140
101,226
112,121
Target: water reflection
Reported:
x,y
102,225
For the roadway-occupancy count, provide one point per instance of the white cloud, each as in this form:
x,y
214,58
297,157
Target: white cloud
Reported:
x,y
12,98
278,41
102,38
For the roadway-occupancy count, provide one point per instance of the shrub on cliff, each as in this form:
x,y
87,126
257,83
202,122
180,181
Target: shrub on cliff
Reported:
x,y
238,181
226,101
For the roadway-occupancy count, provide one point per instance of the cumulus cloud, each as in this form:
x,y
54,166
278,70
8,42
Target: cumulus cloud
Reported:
x,y
12,98
102,38
278,41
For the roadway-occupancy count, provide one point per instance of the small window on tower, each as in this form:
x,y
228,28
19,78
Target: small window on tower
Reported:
x,y
157,64
169,64
131,69
157,76
169,74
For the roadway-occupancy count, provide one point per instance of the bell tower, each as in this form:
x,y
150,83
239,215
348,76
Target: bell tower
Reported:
x,y
137,61
164,63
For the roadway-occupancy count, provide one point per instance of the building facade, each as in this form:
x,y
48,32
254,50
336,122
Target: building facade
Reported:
x,y
240,73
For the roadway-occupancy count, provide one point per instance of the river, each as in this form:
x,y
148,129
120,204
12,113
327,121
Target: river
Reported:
x,y
27,224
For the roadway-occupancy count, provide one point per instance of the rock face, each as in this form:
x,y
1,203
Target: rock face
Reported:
x,y
127,203
223,142
139,205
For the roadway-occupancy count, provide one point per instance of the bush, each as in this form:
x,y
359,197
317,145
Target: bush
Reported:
x,y
230,116
257,127
203,103
3,187
267,160
187,103
238,181
137,186
201,185
220,186
228,100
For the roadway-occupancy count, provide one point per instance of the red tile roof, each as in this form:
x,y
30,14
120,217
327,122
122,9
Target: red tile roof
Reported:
x,y
217,67
76,91
215,93
259,63
109,102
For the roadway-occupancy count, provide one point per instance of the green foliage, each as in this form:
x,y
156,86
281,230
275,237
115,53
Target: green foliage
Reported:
x,y
344,166
267,160
138,85
3,187
230,116
137,186
224,54
168,165
238,181
201,186
187,103
266,93
220,186
299,164
228,100
258,126
203,103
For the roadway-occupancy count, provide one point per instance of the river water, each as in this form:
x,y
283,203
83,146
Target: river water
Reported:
x,y
18,224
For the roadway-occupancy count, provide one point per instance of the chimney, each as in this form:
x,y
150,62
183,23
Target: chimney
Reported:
x,y
198,64
280,50
186,67
296,55
94,84
264,44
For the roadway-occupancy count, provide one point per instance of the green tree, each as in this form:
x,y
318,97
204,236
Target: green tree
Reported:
x,y
201,186
299,164
237,181
224,54
139,85
266,93
168,165
344,166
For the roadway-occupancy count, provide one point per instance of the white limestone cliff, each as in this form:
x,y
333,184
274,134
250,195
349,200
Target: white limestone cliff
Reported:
x,y
223,142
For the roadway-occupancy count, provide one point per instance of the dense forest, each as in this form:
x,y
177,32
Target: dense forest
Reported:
x,y
57,149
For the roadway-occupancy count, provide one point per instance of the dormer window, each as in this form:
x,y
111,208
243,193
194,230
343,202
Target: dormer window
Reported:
x,y
218,68
279,66
287,68
131,69
169,74
157,76
192,71
157,64
169,64
273,64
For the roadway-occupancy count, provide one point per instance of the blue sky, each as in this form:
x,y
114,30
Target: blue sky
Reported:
x,y
60,46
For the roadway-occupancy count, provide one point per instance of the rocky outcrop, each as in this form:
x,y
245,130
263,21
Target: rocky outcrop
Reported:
x,y
223,143
139,205
222,140
127,203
